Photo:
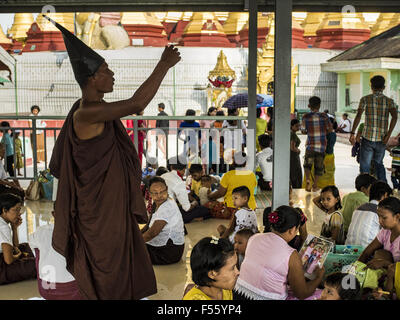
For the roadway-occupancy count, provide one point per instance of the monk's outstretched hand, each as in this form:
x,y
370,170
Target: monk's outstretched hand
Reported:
x,y
171,56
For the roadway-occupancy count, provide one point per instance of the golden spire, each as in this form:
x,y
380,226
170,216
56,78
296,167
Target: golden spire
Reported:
x,y
270,43
3,37
222,68
382,24
311,23
22,23
64,19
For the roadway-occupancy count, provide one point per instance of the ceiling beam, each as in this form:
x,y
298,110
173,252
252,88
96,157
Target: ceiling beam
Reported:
x,y
14,6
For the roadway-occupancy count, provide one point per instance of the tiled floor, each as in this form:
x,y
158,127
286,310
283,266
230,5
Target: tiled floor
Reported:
x,y
171,279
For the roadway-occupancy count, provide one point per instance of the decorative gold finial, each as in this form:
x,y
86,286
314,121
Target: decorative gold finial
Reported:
x,y
222,69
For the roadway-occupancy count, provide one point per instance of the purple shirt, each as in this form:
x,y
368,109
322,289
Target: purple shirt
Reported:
x,y
394,247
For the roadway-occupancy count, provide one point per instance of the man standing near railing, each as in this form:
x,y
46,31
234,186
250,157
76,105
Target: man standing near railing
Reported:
x,y
163,125
99,201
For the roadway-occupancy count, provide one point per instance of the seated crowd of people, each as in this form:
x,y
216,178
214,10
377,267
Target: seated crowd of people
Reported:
x,y
245,262
234,264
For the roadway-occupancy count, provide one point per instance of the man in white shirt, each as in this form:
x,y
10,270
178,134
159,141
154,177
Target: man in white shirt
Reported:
x,y
364,224
264,162
345,125
177,190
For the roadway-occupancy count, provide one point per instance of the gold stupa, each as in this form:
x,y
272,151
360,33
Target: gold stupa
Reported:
x,y
222,16
187,15
262,21
299,18
173,17
382,24
265,65
370,18
195,26
3,37
135,18
265,59
160,15
395,20
235,22
22,23
64,19
338,20
311,23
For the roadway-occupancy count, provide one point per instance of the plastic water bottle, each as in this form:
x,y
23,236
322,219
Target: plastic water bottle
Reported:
x,y
347,250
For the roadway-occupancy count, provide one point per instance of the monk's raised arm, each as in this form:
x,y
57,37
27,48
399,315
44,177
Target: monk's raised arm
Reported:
x,y
97,112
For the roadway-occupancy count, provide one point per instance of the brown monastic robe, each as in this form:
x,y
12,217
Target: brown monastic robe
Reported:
x,y
99,205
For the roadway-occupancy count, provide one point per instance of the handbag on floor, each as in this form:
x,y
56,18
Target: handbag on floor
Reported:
x,y
34,190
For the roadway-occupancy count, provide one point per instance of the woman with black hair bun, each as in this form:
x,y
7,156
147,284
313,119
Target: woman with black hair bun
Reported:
x,y
268,279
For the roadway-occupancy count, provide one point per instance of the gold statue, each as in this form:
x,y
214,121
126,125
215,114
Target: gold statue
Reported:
x,y
221,79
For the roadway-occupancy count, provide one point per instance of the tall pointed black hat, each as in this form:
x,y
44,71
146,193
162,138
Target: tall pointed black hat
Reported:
x,y
84,60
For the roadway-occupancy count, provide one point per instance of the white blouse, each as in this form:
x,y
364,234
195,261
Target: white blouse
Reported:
x,y
174,229
5,233
245,218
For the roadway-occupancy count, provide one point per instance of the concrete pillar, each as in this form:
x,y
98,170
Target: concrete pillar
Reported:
x,y
282,91
252,84
341,92
365,87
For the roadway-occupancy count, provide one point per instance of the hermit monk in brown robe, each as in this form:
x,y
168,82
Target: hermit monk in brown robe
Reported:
x,y
99,201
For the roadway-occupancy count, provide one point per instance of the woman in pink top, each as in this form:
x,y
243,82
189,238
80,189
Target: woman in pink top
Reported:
x,y
388,238
270,264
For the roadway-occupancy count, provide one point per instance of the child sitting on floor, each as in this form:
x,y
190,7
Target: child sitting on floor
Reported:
x,y
196,172
243,218
329,202
214,273
240,243
206,182
17,262
341,286
387,239
149,171
355,199
264,162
